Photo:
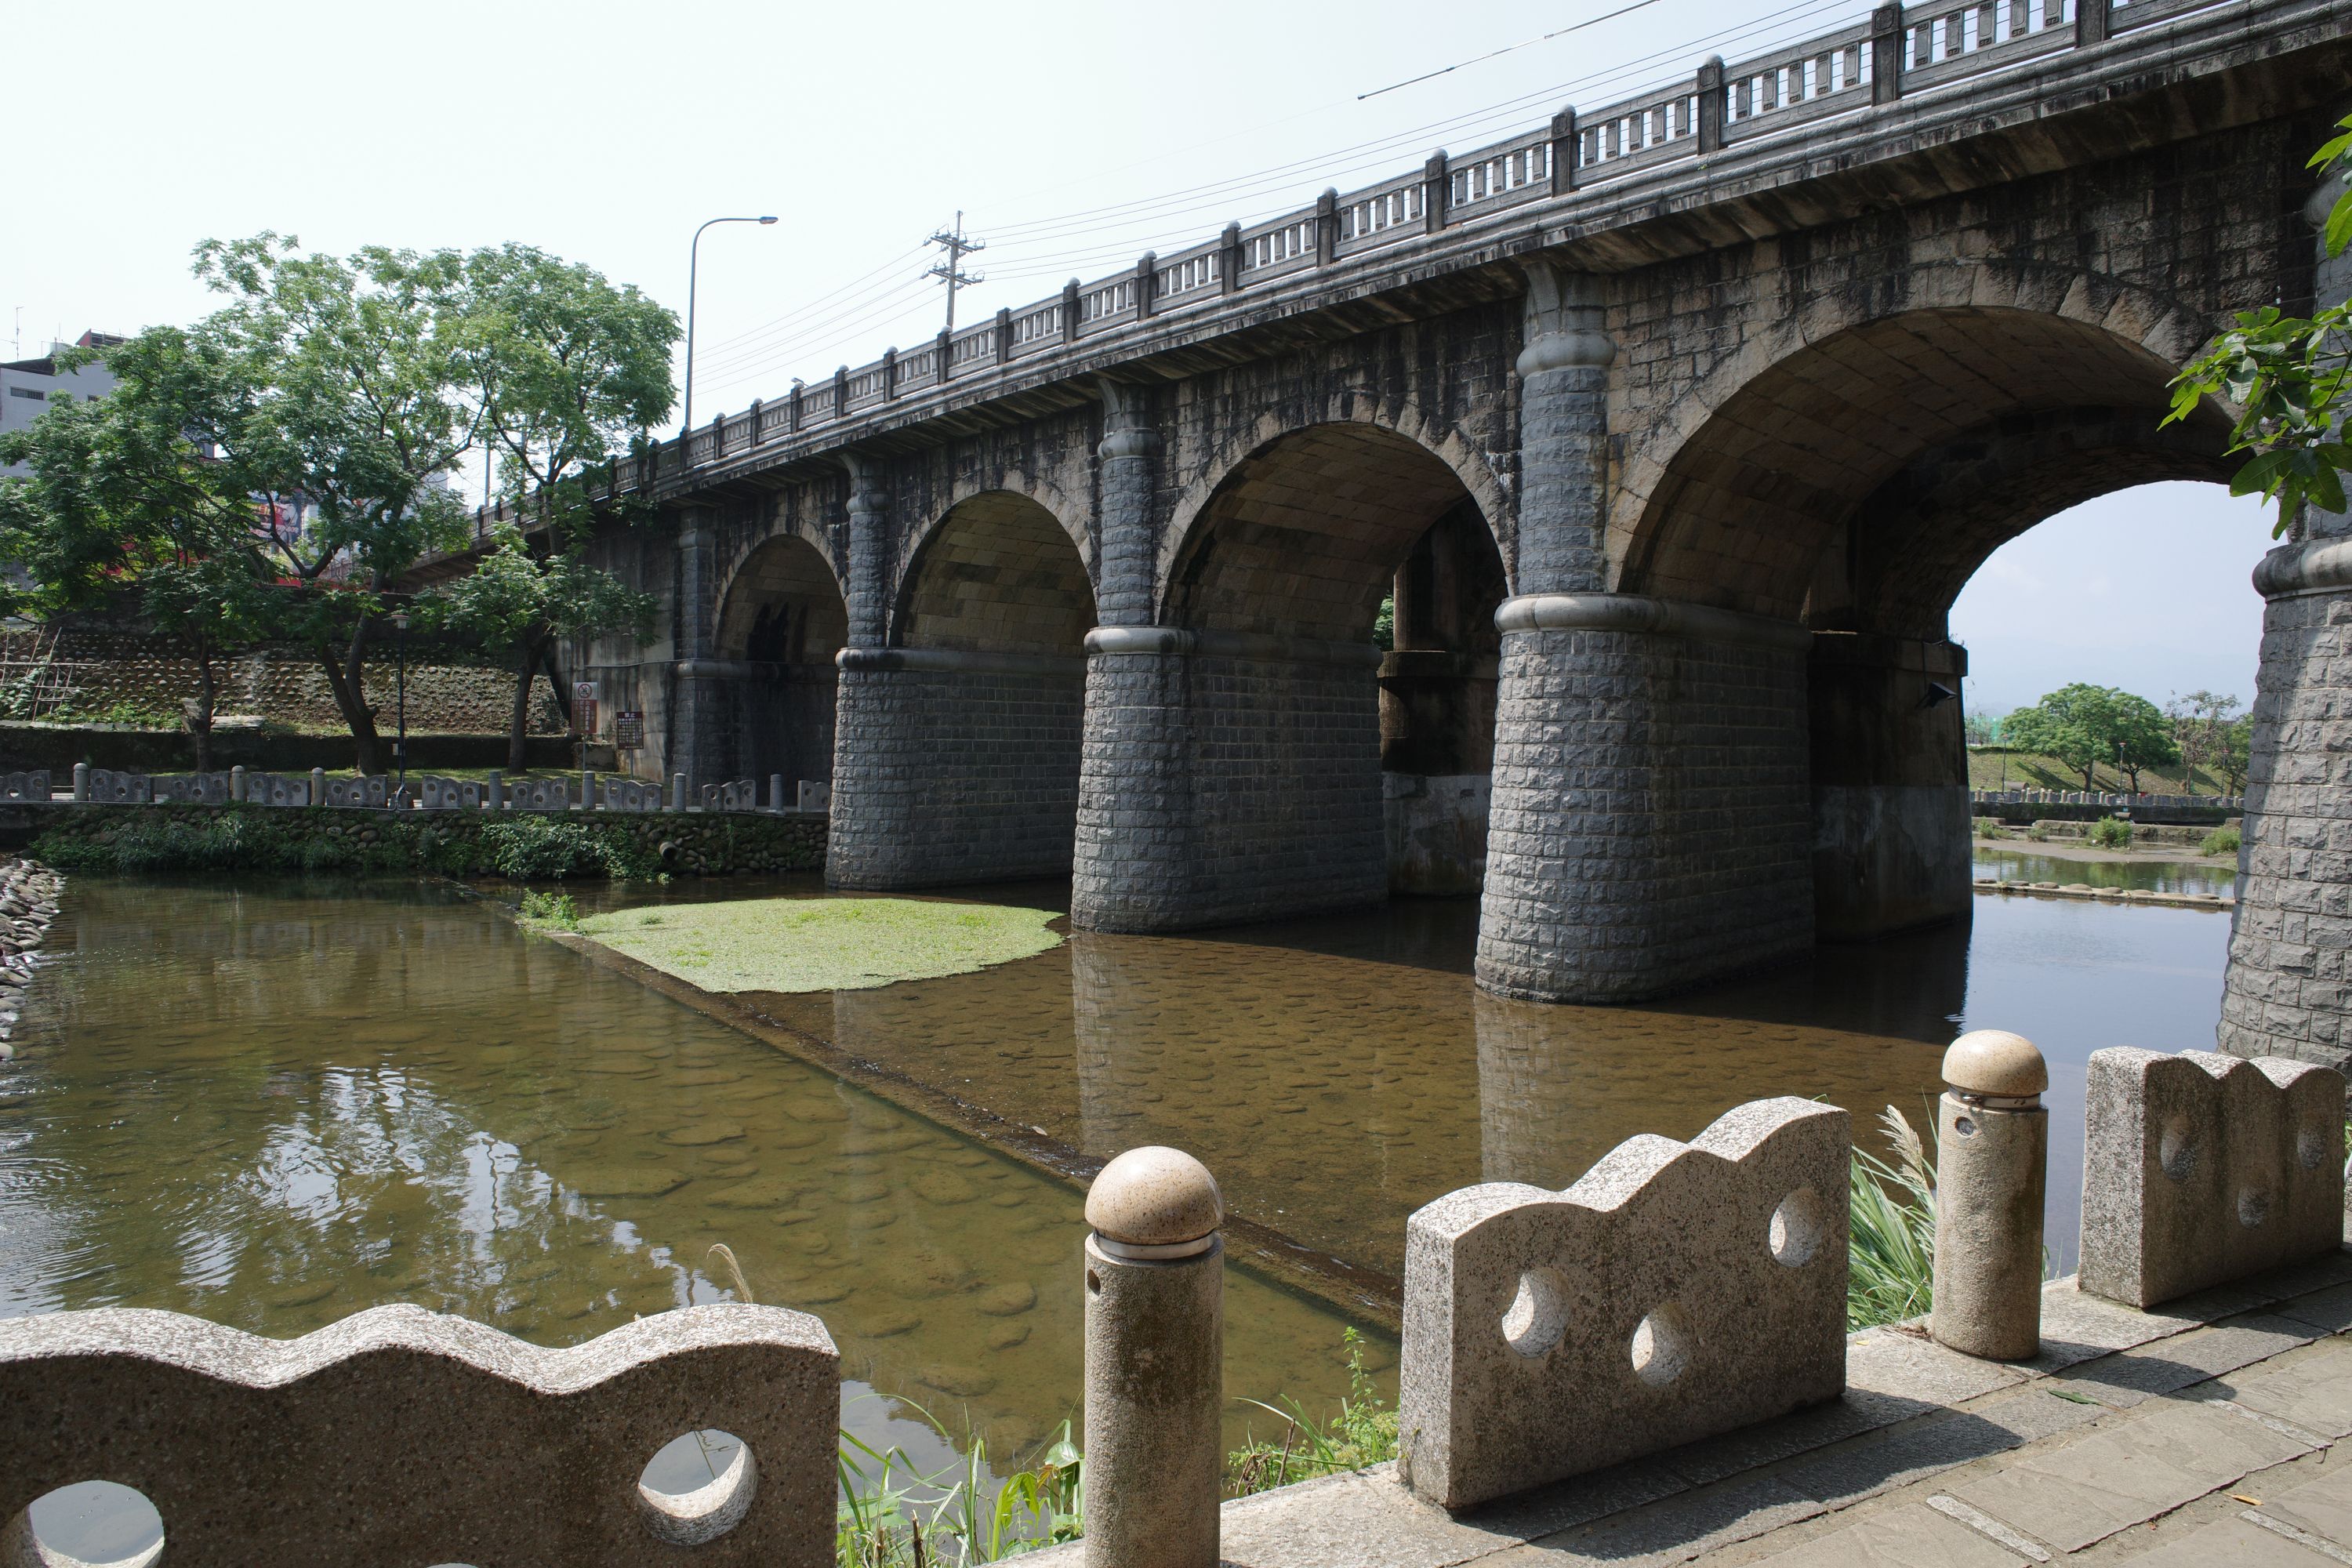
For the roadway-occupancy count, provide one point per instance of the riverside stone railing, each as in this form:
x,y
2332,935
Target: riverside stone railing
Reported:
x,y
586,791
1677,1290
401,1437
1860,67
2095,798
2200,1168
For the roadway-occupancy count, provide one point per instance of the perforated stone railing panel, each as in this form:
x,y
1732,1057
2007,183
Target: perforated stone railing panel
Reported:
x,y
1674,1292
538,795
438,793
399,1436
270,789
737,794
119,788
2201,1168
359,792
32,786
628,795
191,789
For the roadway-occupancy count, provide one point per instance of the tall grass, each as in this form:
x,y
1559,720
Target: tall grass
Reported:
x,y
1363,1432
1892,1216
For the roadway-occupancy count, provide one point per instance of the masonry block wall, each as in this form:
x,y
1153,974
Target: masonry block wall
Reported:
x,y
1226,789
2288,991
455,692
948,777
1651,824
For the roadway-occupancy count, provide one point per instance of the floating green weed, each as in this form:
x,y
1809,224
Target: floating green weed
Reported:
x,y
823,944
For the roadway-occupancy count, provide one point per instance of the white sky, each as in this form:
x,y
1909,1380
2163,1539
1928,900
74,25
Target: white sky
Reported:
x,y
604,134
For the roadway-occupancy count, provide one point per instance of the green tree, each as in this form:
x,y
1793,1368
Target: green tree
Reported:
x,y
2288,377
2201,728
131,498
2235,756
374,376
572,371
521,601
361,400
2083,725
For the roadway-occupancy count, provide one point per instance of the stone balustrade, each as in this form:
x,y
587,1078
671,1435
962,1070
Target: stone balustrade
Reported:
x,y
401,1436
1677,1290
2201,1168
425,792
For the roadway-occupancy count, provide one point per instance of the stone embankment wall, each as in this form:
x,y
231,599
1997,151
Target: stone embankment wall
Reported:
x,y
448,690
454,843
28,903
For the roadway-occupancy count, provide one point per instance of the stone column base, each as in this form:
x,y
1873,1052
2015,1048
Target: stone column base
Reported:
x,y
1651,821
952,767
2288,990
1228,778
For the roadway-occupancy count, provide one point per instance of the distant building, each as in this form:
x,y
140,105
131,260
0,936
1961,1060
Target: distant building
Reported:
x,y
27,384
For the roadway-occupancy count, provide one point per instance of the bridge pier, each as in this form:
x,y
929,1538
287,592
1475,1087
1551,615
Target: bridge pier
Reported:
x,y
1889,783
2288,988
953,766
1228,777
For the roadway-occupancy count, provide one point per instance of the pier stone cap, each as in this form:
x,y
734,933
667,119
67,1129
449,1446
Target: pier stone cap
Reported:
x,y
1154,1196
1994,1061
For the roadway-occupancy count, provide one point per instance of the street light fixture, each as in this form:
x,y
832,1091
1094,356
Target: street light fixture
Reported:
x,y
693,263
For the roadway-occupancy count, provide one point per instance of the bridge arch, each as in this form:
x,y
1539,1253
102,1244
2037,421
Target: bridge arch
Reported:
x,y
961,737
1278,474
1730,496
778,621
999,571
1854,484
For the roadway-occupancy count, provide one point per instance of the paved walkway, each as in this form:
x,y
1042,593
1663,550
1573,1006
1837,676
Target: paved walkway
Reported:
x,y
2199,1436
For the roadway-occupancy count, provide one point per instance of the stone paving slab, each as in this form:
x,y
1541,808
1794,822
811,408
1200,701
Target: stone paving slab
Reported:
x,y
2322,1507
1681,1528
2081,1492
2130,1376
2314,1391
1914,1536
2232,1544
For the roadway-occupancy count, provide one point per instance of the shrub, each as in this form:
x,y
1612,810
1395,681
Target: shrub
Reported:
x,y
555,910
2221,841
1991,828
2111,833
1891,1214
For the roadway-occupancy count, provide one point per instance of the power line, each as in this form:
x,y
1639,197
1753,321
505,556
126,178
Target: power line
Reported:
x,y
1481,59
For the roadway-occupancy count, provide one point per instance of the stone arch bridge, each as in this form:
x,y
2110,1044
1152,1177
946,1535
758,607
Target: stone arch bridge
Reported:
x,y
1673,430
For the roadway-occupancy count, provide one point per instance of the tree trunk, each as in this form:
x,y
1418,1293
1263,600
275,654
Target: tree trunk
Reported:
x,y
202,730
518,729
344,678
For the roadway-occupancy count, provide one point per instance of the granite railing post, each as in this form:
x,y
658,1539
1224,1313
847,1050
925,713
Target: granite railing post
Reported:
x,y
775,792
1992,1147
317,786
493,791
81,781
1155,1359
235,783
677,792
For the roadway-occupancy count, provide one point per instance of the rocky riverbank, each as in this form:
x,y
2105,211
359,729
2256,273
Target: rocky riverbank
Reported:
x,y
28,903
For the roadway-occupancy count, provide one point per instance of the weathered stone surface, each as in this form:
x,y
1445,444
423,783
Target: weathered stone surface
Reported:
x,y
1675,1291
2200,1169
398,1435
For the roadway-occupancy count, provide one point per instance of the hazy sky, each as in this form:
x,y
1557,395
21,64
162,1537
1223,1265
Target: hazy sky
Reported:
x,y
1073,137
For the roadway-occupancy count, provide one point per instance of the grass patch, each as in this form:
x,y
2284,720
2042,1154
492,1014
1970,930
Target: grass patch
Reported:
x,y
822,944
2221,841
554,910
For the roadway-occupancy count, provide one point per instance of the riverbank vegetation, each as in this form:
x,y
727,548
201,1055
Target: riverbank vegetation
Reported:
x,y
822,944
1891,1214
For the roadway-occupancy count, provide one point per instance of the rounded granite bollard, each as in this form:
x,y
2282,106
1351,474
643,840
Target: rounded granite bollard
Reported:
x,y
81,781
1155,1362
1993,1153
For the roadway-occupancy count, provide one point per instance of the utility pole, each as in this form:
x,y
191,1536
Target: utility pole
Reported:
x,y
958,246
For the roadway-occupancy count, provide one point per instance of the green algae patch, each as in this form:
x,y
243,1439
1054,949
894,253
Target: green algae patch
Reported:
x,y
820,945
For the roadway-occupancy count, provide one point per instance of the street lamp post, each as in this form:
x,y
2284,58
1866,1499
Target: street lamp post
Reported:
x,y
693,263
400,745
